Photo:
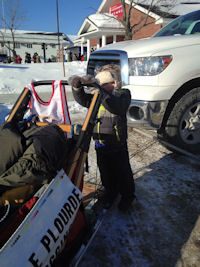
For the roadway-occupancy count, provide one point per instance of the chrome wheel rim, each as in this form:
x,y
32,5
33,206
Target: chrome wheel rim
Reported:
x,y
189,127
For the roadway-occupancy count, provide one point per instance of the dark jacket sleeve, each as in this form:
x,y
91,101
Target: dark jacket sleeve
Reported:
x,y
82,98
117,104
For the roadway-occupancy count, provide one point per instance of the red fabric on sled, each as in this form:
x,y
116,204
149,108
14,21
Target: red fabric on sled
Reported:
x,y
78,225
10,228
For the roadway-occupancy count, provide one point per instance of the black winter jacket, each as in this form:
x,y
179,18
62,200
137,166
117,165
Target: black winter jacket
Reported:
x,y
111,126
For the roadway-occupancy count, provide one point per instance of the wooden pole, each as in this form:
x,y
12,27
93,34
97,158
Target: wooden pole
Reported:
x,y
63,62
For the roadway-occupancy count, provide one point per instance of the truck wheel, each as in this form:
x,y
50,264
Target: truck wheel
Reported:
x,y
183,125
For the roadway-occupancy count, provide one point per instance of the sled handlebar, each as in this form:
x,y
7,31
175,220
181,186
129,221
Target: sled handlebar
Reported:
x,y
65,82
48,82
97,86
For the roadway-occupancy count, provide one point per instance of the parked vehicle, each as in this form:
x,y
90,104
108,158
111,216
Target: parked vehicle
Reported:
x,y
163,75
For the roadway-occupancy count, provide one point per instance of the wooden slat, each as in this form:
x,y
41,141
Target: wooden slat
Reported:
x,y
18,104
90,191
90,111
74,164
80,169
64,127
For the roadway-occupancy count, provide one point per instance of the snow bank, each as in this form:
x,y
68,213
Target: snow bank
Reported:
x,y
15,76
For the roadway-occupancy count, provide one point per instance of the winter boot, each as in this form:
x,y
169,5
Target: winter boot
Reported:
x,y
125,204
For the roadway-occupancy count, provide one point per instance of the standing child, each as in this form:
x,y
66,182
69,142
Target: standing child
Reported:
x,y
110,134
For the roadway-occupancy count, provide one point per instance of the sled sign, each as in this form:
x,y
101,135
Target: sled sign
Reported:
x,y
41,236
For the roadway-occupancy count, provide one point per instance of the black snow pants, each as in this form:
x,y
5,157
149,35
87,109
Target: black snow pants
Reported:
x,y
115,171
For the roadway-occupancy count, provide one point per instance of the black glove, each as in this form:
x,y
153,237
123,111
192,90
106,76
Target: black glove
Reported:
x,y
88,79
75,82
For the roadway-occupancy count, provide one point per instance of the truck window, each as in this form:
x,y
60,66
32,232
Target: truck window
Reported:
x,y
187,24
95,65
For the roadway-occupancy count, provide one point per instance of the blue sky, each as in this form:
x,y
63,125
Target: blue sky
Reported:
x,y
41,14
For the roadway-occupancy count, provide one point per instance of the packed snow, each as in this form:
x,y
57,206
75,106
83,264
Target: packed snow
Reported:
x,y
105,21
15,76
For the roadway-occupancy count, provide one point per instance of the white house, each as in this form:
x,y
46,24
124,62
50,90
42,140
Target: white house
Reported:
x,y
33,41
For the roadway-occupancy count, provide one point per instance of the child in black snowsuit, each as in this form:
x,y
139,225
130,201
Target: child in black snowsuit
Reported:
x,y
110,135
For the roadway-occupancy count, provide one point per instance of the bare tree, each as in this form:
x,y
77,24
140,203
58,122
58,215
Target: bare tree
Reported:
x,y
11,19
161,7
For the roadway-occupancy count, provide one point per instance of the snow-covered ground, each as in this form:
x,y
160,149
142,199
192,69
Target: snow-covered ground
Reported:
x,y
15,76
160,227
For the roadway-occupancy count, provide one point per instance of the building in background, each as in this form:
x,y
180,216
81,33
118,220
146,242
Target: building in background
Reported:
x,y
103,28
45,44
76,48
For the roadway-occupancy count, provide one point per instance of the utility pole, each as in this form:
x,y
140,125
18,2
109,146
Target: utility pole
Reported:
x,y
44,47
58,32
3,14
58,26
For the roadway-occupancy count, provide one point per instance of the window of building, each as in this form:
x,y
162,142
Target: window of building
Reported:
x,y
17,45
2,45
29,45
53,46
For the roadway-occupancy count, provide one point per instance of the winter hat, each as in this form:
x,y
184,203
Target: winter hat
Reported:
x,y
104,77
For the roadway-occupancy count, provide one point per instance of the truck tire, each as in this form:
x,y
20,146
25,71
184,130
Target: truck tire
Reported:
x,y
183,125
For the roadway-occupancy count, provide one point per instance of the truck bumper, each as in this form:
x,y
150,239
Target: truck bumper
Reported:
x,y
146,114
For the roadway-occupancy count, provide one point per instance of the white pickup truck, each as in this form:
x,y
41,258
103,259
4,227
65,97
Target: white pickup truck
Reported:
x,y
163,75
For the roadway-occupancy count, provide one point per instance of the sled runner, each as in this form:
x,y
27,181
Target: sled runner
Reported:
x,y
51,220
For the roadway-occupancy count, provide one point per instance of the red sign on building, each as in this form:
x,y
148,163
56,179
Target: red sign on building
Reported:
x,y
116,10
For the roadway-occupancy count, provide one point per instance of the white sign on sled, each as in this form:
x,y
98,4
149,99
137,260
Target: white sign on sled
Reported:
x,y
41,235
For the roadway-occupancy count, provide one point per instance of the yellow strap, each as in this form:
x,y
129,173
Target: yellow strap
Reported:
x,y
117,133
101,108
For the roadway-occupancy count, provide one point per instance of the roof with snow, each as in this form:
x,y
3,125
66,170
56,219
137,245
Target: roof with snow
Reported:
x,y
98,22
31,32
166,9
173,9
72,37
40,34
184,7
105,20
